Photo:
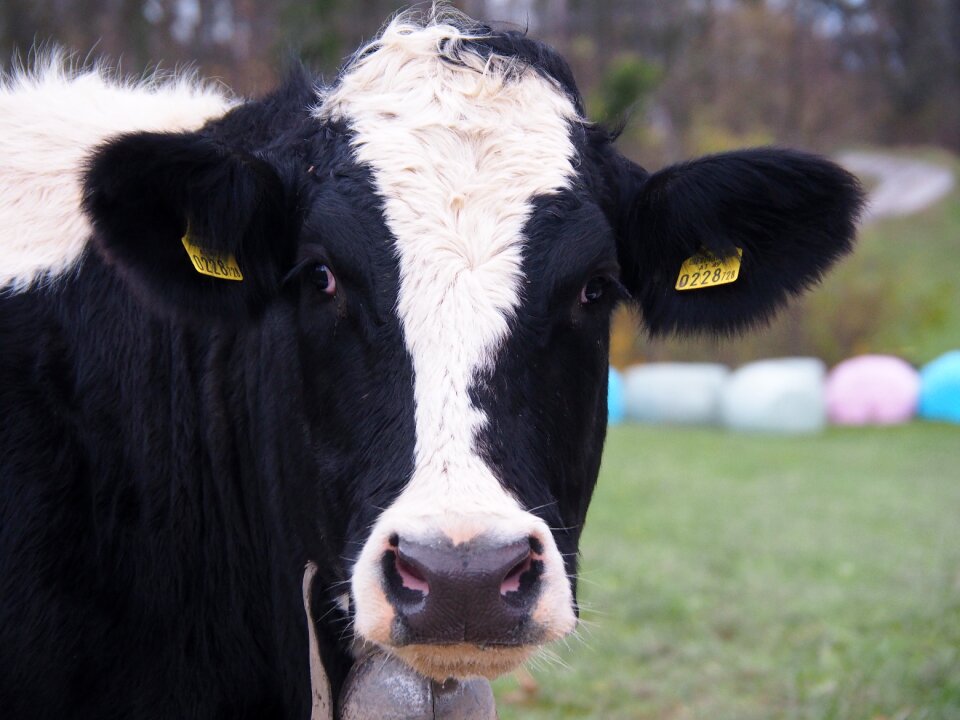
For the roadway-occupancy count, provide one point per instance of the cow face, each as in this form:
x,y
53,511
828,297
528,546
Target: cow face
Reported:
x,y
444,237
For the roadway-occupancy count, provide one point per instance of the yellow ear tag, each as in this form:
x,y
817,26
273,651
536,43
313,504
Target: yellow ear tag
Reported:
x,y
705,270
219,266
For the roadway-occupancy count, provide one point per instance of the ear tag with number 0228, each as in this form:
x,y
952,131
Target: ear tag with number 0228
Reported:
x,y
705,270
206,263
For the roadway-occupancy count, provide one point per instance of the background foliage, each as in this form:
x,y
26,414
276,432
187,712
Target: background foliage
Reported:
x,y
699,75
689,76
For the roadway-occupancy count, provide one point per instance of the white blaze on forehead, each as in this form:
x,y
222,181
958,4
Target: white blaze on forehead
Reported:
x,y
459,147
458,153
50,120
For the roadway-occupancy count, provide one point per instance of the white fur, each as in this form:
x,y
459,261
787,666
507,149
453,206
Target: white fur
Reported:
x,y
50,120
457,154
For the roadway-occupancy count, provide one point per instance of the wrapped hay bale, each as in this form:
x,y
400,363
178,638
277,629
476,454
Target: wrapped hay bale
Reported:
x,y
614,398
940,388
778,396
872,390
675,393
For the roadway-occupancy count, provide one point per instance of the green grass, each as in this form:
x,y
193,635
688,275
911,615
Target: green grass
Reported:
x,y
736,577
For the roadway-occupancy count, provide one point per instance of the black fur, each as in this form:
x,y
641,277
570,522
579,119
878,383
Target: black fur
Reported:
x,y
528,53
146,190
175,448
149,190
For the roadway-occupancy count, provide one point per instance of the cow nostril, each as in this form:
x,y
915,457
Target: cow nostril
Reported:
x,y
407,584
410,577
511,583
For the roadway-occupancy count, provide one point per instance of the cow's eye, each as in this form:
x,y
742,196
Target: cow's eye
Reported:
x,y
322,276
594,289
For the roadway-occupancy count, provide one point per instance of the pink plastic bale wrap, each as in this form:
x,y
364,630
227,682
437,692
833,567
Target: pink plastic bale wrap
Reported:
x,y
872,390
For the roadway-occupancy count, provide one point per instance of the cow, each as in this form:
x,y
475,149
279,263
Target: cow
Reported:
x,y
284,379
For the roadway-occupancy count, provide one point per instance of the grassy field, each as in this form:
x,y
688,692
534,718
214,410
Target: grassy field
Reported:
x,y
738,577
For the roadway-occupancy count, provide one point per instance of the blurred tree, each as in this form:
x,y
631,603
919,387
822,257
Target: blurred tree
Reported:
x,y
691,76
624,88
907,52
814,72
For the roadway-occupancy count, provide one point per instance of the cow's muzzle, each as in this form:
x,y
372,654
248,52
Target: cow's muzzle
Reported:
x,y
460,595
480,592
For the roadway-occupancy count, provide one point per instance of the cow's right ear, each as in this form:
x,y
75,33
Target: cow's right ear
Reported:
x,y
146,192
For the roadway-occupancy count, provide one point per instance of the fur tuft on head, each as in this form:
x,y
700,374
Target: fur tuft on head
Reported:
x,y
443,33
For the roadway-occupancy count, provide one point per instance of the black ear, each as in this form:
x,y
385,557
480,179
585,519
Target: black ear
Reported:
x,y
144,192
791,214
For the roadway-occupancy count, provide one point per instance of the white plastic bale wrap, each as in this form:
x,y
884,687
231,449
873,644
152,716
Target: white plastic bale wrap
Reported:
x,y
777,396
615,407
675,393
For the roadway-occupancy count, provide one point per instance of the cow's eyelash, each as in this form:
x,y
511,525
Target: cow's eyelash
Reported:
x,y
614,291
618,290
302,265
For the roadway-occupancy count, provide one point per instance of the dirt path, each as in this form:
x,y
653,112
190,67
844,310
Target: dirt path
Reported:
x,y
904,186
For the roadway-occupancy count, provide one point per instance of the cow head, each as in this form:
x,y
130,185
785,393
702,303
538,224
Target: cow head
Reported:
x,y
442,238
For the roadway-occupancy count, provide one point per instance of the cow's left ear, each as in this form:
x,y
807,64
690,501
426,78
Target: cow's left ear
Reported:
x,y
146,192
791,214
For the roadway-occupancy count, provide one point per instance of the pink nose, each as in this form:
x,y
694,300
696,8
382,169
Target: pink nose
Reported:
x,y
479,592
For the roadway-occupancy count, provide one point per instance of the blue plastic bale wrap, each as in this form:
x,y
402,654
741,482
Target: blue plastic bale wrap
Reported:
x,y
940,388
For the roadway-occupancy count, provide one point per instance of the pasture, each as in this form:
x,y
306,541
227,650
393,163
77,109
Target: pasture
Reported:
x,y
741,577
